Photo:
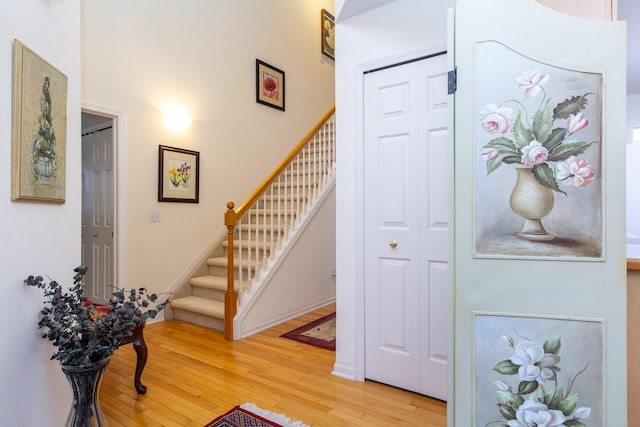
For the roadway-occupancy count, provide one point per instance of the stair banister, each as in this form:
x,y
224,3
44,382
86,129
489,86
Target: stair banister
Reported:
x,y
231,218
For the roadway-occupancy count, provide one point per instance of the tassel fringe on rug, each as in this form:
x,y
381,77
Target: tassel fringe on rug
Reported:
x,y
249,415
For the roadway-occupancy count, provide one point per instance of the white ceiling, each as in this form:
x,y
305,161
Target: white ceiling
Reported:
x,y
628,10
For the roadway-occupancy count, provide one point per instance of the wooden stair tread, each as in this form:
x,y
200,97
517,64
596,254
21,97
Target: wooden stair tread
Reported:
x,y
199,305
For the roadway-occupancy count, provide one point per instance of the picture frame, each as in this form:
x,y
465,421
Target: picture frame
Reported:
x,y
527,202
327,34
178,175
38,128
269,85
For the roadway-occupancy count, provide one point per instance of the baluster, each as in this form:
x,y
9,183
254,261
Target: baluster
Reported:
x,y
305,179
240,275
299,200
256,247
249,244
315,166
264,232
291,210
273,244
280,232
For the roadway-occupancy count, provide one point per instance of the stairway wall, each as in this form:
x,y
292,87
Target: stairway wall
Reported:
x,y
303,280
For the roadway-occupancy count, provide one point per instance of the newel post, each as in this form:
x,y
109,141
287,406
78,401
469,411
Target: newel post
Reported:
x,y
230,297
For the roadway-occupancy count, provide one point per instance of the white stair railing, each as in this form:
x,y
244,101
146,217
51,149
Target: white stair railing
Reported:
x,y
259,228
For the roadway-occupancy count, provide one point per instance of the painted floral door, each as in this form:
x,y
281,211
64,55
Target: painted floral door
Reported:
x,y
539,323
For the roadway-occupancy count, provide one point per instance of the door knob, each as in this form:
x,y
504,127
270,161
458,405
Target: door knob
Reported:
x,y
393,243
94,234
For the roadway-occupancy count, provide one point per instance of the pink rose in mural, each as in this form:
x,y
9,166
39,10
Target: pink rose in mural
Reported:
x,y
496,120
536,139
534,154
270,87
489,153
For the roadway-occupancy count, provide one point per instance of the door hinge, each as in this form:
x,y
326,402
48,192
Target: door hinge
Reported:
x,y
452,81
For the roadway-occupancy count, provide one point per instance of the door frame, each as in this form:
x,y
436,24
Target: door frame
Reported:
x,y
118,119
359,315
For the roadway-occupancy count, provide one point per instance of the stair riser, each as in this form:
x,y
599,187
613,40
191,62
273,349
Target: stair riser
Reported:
x,y
222,271
199,319
212,294
260,234
260,219
245,253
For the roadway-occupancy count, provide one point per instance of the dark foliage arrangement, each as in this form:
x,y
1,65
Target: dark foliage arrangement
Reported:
x,y
83,333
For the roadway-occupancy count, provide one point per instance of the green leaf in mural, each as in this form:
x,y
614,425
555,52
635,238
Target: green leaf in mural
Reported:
x,y
544,175
542,123
569,106
526,387
522,135
506,367
552,345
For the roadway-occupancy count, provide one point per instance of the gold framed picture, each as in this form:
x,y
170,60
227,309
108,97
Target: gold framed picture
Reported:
x,y
327,34
39,128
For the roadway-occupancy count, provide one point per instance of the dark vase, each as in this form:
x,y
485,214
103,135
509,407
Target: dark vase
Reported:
x,y
85,382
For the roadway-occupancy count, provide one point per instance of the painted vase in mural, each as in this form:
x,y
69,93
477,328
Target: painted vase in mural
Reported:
x,y
43,169
532,201
85,382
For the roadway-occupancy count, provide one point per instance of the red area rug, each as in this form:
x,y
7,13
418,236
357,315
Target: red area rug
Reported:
x,y
320,333
249,415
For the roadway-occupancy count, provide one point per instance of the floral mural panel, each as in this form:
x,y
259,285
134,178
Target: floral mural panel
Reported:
x,y
537,371
538,158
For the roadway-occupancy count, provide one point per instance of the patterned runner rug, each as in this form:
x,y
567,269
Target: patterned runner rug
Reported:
x,y
249,415
320,333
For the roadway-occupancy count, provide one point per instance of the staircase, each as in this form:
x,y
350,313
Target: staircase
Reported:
x,y
238,268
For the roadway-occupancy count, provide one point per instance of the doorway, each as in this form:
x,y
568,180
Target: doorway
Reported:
x,y
98,204
406,225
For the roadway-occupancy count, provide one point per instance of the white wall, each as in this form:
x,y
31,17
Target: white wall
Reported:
x,y
387,34
633,168
303,279
37,238
139,55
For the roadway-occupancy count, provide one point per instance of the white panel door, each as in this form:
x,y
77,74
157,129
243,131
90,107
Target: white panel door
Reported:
x,y
405,226
97,214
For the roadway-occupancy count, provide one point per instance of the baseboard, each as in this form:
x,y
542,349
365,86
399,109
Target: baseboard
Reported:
x,y
239,333
343,371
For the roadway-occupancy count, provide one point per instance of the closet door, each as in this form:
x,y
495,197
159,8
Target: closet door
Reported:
x,y
406,226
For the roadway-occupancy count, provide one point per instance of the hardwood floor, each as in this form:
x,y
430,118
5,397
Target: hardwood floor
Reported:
x,y
193,375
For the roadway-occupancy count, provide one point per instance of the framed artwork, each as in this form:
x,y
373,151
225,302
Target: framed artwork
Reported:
x,y
537,159
538,368
178,175
39,128
269,85
327,34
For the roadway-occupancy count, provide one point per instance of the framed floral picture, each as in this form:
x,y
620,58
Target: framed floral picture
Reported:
x,y
538,371
538,158
39,129
327,34
269,85
178,175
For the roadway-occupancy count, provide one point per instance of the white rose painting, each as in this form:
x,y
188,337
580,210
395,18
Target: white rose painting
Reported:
x,y
538,372
538,158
